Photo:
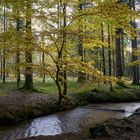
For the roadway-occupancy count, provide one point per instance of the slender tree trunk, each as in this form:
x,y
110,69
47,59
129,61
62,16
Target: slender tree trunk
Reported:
x,y
123,67
65,82
114,63
58,83
60,40
43,63
118,53
103,51
109,52
65,55
4,55
1,60
113,41
18,54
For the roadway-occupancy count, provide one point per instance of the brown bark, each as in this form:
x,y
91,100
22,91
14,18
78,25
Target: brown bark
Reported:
x,y
28,85
109,52
118,53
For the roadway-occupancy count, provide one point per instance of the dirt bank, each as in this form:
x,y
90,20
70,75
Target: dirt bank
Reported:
x,y
118,129
20,106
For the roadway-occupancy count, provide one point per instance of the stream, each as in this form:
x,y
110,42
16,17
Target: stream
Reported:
x,y
76,120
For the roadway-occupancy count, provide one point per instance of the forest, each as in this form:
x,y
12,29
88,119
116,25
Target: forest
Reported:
x,y
57,55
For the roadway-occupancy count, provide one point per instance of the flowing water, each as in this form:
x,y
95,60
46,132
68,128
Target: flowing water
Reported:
x,y
75,120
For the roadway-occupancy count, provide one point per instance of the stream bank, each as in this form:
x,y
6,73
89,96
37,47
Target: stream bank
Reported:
x,y
118,129
18,106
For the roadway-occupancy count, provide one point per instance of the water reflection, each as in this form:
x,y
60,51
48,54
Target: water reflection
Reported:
x,y
70,121
44,126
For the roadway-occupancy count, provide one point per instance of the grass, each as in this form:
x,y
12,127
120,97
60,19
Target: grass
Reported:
x,y
5,88
134,86
49,87
119,93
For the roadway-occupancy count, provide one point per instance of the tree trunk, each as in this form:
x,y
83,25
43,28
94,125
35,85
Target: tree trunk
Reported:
x,y
113,41
109,52
4,55
28,85
118,53
123,67
1,60
65,55
103,51
58,83
18,54
43,63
